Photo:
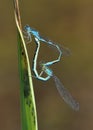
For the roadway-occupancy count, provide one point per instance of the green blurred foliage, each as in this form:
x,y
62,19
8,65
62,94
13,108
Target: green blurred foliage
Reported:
x,y
69,23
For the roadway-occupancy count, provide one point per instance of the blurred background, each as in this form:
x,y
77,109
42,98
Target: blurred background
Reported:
x,y
69,23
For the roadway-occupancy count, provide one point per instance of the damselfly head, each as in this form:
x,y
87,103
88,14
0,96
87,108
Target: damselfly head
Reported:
x,y
46,68
41,63
27,28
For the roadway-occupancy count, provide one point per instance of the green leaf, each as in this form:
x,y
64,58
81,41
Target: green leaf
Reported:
x,y
28,108
27,98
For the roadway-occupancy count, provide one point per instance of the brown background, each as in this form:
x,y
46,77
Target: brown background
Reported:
x,y
69,23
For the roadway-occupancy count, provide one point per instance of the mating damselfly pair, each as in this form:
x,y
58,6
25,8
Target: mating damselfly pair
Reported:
x,y
45,67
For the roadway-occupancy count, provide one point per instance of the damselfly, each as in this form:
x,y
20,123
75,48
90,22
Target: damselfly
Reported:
x,y
67,97
60,87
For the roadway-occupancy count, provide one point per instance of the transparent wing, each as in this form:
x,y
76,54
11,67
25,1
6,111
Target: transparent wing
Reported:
x,y
65,51
67,97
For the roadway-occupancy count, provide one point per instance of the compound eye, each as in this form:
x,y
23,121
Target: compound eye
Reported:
x,y
26,27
